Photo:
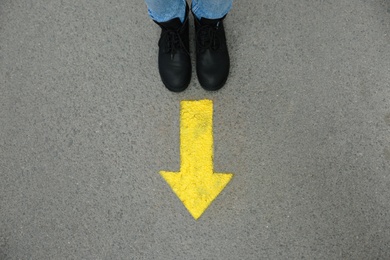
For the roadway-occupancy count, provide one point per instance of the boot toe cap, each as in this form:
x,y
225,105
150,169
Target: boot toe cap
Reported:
x,y
213,76
176,73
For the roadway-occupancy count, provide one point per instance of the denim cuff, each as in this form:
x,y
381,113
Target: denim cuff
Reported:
x,y
211,9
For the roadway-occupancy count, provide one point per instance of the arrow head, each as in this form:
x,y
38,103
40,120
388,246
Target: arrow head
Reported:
x,y
195,191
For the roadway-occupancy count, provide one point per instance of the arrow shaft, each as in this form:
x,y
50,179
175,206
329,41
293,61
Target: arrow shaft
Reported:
x,y
196,136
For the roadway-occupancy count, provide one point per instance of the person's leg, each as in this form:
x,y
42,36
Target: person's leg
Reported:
x,y
212,56
211,9
174,63
165,10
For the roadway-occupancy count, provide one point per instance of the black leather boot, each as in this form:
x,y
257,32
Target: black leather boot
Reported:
x,y
212,56
174,63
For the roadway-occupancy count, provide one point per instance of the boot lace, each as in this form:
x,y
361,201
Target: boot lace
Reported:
x,y
174,42
207,37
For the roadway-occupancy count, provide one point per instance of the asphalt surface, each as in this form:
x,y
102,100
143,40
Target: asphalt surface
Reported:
x,y
303,123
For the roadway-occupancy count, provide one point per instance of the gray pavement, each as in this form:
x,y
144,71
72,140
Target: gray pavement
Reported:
x,y
303,123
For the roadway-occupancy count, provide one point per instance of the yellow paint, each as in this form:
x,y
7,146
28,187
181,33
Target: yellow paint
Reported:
x,y
196,184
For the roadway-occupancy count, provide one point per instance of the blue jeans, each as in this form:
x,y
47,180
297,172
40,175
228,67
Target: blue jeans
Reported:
x,y
165,10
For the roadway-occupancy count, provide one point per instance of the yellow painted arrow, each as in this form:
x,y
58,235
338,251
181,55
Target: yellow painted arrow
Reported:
x,y
196,184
